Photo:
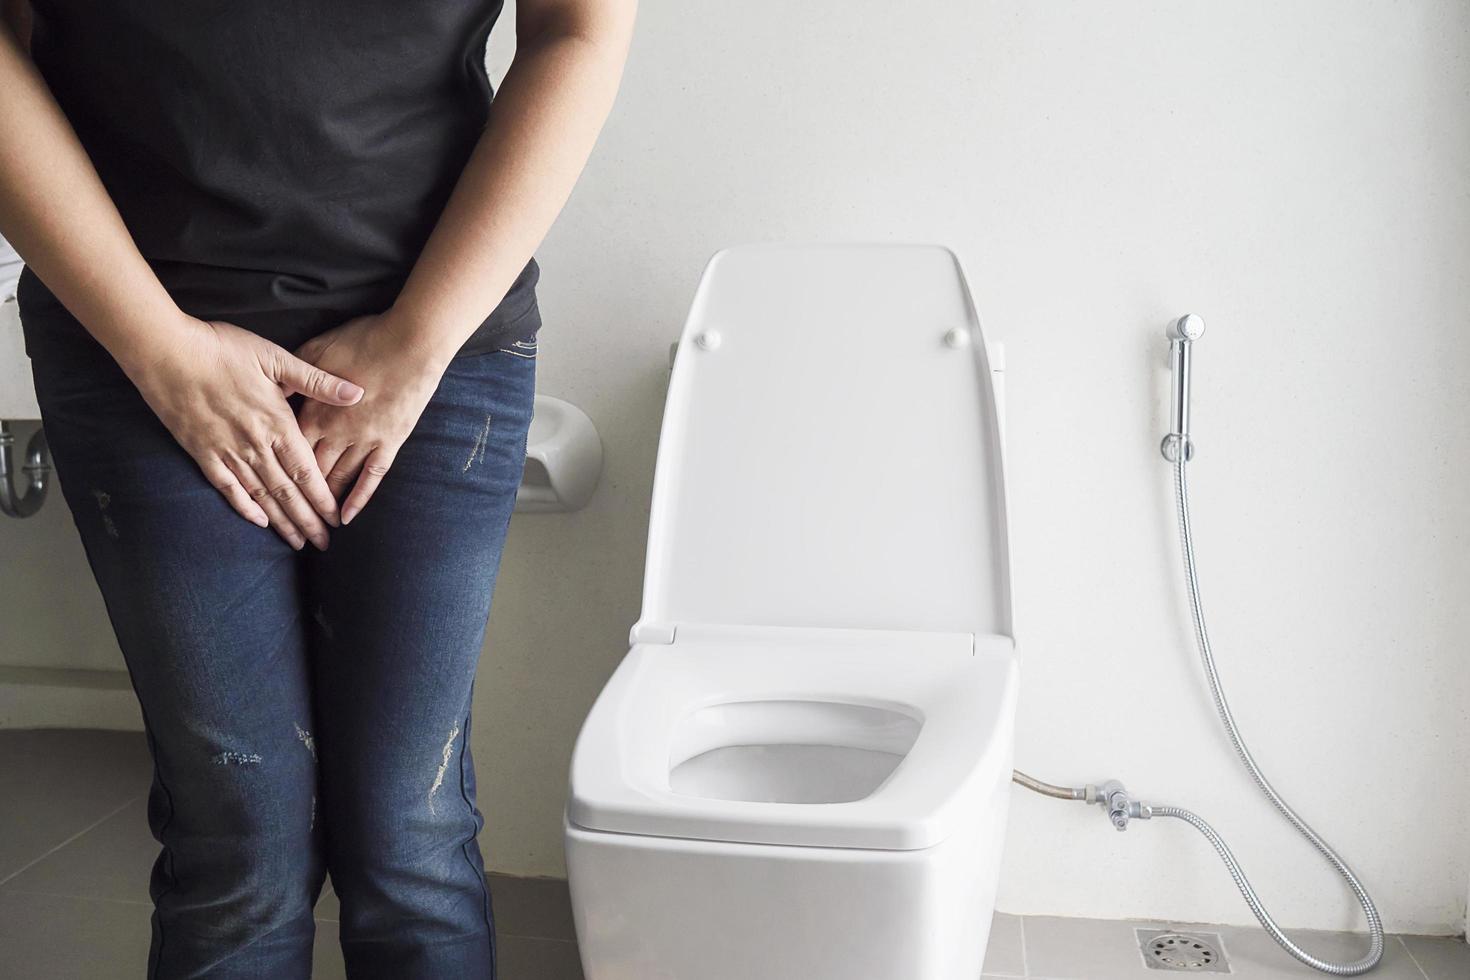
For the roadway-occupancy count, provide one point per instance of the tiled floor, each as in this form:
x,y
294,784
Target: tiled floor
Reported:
x,y
75,853
1092,949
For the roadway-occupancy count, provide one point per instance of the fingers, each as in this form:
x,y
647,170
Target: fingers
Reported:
x,y
258,492
297,460
374,468
288,493
302,378
279,475
344,471
222,479
245,437
328,455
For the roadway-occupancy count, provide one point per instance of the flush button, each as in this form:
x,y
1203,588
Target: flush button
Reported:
x,y
958,338
708,340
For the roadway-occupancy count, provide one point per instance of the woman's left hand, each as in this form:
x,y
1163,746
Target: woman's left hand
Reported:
x,y
356,446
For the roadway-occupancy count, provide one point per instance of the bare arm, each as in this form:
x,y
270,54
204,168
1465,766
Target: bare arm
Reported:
x,y
55,211
217,388
543,124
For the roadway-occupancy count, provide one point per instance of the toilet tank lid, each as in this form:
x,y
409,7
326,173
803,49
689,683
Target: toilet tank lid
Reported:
x,y
831,452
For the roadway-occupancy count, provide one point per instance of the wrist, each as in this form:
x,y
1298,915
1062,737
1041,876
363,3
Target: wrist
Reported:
x,y
162,337
421,340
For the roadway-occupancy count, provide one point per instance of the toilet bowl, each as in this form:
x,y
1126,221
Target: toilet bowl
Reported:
x,y
801,768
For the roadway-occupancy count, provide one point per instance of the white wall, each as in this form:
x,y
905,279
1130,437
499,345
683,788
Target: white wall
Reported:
x,y
1294,172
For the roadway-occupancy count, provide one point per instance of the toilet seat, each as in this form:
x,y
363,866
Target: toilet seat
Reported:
x,y
959,690
801,769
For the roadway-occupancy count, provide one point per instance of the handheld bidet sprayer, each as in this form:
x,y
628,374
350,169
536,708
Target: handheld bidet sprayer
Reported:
x,y
1122,808
1182,332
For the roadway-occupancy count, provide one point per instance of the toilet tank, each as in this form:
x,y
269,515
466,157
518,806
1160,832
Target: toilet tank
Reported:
x,y
831,450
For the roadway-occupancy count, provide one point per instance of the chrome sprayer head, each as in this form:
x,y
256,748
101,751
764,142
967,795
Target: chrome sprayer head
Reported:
x,y
1190,327
1182,334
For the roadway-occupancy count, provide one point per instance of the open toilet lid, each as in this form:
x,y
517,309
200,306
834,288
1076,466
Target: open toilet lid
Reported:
x,y
830,453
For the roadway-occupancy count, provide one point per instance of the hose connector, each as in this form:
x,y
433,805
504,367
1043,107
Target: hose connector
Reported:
x,y
1113,797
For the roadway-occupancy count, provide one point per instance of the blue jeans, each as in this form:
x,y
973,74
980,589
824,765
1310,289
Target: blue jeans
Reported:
x,y
307,712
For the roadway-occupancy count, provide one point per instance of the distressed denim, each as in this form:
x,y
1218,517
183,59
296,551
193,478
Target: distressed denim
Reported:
x,y
308,713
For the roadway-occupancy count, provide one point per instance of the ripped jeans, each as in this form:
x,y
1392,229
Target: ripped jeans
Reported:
x,y
307,712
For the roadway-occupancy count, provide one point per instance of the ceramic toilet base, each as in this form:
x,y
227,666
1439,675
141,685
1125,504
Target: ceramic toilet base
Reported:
x,y
654,908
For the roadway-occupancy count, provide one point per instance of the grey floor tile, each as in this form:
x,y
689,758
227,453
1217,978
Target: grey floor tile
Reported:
x,y
1255,956
1095,949
58,783
111,861
538,908
1440,958
328,906
1006,955
1083,949
520,958
46,937
326,955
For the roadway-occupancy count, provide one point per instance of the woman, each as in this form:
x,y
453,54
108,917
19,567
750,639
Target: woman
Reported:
x,y
223,205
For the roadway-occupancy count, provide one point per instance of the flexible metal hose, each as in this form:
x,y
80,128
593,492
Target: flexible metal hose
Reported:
x,y
1202,638
1047,789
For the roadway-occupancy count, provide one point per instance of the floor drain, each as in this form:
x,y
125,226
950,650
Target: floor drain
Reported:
x,y
1186,952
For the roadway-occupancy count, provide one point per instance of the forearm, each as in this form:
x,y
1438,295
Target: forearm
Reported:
x,y
56,212
542,128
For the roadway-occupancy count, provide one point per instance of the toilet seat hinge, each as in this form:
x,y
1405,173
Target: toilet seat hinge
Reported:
x,y
646,632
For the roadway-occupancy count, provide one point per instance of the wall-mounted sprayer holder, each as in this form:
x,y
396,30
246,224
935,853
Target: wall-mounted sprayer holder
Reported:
x,y
1116,801
1182,334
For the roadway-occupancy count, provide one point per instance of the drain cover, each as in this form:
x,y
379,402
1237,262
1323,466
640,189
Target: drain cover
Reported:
x,y
1188,952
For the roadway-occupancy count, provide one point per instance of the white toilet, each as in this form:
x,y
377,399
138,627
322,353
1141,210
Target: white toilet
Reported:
x,y
801,769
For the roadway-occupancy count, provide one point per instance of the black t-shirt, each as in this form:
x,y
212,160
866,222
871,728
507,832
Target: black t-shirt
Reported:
x,y
279,164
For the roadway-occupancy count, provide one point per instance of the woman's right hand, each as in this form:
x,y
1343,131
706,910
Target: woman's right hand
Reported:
x,y
221,390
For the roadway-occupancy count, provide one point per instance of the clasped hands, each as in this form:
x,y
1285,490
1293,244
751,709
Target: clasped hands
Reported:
x,y
222,392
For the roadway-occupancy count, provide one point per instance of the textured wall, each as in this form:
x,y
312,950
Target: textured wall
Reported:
x,y
1294,172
